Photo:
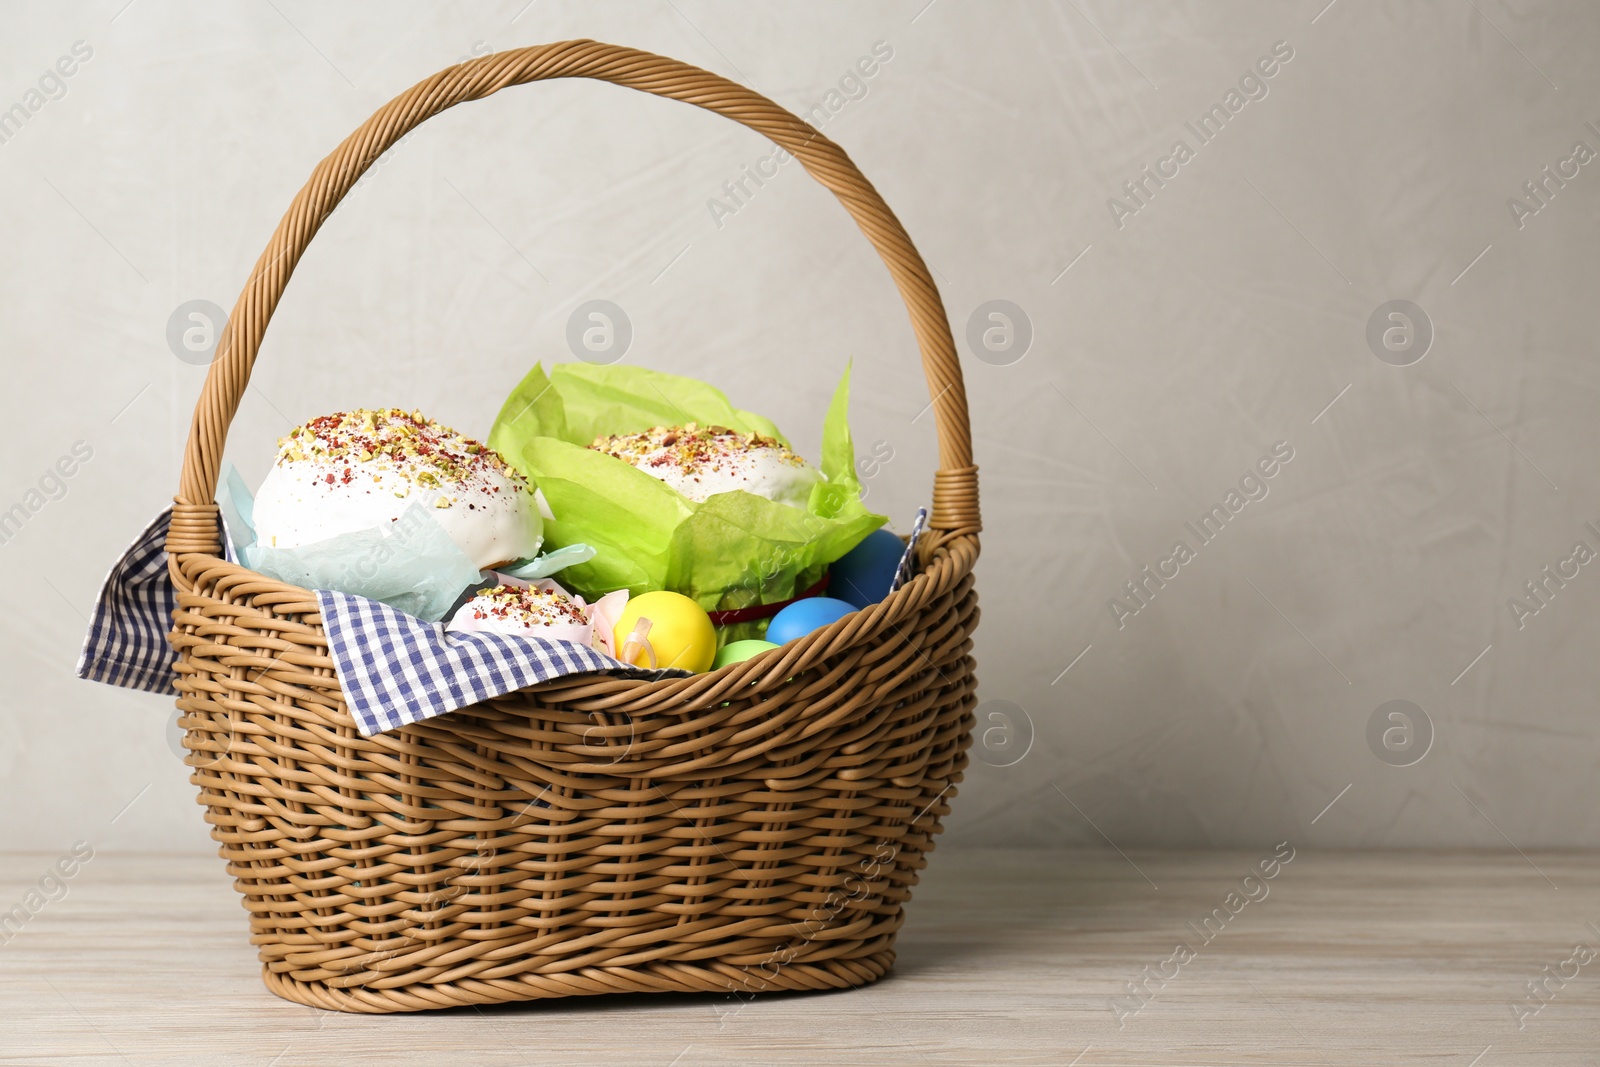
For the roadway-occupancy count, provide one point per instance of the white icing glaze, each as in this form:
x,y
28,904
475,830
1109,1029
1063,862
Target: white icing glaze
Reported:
x,y
702,462
541,609
525,612
360,470
760,471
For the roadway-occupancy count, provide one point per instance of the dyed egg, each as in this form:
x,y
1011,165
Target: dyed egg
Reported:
x,y
739,651
864,574
665,629
803,616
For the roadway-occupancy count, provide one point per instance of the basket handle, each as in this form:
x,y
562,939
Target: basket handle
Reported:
x,y
955,492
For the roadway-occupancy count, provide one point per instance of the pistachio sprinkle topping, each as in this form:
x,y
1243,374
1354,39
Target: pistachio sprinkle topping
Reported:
x,y
367,444
691,449
511,603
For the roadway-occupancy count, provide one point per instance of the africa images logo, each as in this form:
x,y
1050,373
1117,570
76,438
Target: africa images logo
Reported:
x,y
51,86
1253,85
1252,487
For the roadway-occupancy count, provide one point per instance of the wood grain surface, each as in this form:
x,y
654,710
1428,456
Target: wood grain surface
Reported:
x,y
1009,957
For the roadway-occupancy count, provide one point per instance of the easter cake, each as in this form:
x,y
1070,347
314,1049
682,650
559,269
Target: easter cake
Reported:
x,y
354,470
702,461
542,609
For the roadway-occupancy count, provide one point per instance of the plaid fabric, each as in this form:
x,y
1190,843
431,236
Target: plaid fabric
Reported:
x,y
396,669
127,640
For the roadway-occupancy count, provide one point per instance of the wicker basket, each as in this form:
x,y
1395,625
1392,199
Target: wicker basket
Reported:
x,y
756,828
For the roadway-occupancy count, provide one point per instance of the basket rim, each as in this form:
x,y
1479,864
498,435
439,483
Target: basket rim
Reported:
x,y
951,560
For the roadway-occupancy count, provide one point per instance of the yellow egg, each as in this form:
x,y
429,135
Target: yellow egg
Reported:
x,y
664,629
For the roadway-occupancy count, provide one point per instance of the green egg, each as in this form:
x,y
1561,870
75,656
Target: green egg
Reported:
x,y
738,651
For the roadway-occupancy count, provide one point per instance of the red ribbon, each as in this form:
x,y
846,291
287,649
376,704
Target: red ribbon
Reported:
x,y
764,611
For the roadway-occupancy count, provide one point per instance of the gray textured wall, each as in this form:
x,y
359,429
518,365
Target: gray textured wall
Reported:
x,y
1178,337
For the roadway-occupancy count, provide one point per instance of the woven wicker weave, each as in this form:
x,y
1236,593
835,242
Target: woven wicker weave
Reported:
x,y
756,828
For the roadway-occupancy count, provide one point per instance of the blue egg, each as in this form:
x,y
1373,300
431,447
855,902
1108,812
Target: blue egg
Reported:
x,y
803,616
865,573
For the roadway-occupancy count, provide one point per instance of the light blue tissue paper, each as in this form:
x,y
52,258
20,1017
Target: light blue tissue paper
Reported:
x,y
549,563
413,565
237,505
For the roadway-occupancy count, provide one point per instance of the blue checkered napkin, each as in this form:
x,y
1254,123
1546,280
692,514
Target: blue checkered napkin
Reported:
x,y
127,641
396,669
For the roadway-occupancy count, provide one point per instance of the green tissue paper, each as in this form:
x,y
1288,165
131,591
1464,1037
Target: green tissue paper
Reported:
x,y
734,550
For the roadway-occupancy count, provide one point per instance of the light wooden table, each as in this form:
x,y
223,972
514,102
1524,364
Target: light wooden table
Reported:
x,y
1010,957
